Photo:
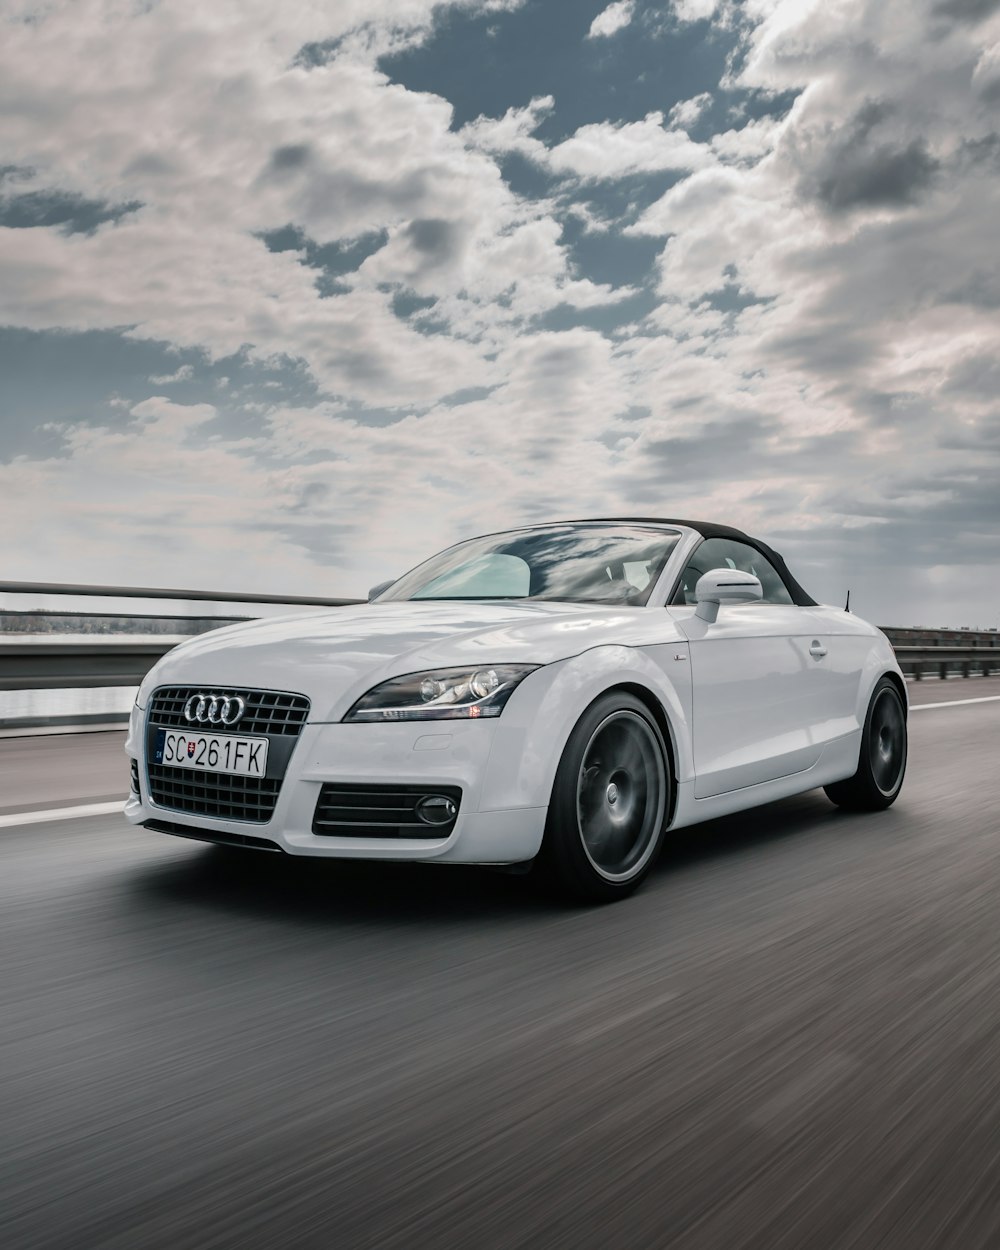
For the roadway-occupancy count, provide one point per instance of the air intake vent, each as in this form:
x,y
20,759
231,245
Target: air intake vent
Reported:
x,y
134,776
220,795
352,811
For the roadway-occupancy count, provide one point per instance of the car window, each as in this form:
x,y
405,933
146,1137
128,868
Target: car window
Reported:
x,y
724,553
489,575
584,562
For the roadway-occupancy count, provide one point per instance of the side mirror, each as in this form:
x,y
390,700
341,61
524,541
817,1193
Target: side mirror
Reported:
x,y
719,586
377,590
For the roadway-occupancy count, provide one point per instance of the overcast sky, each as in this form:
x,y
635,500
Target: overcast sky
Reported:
x,y
293,295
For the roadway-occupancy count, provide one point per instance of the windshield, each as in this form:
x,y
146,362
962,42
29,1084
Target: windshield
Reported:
x,y
579,563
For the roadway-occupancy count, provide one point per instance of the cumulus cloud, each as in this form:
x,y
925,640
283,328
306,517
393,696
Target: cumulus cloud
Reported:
x,y
248,139
686,112
612,19
598,151
184,374
695,10
812,352
607,150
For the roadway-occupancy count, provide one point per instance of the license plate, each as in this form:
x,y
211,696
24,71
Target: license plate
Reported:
x,y
212,753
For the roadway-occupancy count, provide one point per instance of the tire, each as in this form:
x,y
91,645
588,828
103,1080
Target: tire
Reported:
x,y
610,798
882,763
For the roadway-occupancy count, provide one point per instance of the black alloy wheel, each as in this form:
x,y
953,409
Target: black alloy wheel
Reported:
x,y
609,801
882,763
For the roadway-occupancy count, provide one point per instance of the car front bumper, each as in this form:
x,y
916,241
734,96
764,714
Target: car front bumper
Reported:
x,y
425,754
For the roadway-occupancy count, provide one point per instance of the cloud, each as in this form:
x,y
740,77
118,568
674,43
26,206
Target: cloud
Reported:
x,y
966,10
184,374
249,140
809,354
612,19
605,150
513,132
600,151
686,112
695,10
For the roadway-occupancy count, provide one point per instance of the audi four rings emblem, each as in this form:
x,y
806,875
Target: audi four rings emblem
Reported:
x,y
214,709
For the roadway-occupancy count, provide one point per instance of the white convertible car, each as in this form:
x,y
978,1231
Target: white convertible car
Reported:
x,y
561,695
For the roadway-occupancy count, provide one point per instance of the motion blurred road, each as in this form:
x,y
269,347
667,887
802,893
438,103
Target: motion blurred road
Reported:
x,y
789,1038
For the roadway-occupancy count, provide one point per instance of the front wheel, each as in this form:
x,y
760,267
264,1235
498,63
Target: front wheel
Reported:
x,y
882,763
609,802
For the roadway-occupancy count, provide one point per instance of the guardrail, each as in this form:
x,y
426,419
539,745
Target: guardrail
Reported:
x,y
56,661
79,664
148,592
945,652
59,649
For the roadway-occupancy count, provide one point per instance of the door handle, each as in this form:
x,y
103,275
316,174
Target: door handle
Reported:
x,y
816,649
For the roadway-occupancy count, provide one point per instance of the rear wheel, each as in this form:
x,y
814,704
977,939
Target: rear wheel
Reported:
x,y
882,762
609,802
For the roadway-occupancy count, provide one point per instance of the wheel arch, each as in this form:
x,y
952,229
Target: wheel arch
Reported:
x,y
536,725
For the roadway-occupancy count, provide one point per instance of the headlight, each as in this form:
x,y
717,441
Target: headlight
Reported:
x,y
442,694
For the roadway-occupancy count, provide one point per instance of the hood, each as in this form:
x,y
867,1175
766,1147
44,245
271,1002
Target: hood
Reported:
x,y
334,657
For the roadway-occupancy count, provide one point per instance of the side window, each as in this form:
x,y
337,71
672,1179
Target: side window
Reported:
x,y
724,553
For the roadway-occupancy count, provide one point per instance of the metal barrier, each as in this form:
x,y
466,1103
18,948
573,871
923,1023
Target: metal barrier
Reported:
x,y
945,652
57,661
148,592
58,649
79,664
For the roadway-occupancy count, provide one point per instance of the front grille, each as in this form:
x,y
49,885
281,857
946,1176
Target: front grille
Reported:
x,y
134,777
274,714
222,795
271,712
353,811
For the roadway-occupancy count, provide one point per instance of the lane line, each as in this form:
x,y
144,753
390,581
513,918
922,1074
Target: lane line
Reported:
x,y
107,809
924,707
61,813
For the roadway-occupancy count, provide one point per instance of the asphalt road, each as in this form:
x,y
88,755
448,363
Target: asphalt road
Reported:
x,y
790,1038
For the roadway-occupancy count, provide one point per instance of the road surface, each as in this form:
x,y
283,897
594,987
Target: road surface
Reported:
x,y
788,1039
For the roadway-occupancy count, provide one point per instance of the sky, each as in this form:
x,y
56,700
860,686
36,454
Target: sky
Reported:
x,y
293,296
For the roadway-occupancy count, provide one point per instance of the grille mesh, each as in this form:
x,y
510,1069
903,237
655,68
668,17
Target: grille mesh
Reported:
x,y
273,712
352,811
221,795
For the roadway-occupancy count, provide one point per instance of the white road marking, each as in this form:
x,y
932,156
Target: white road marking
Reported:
x,y
60,813
924,707
107,809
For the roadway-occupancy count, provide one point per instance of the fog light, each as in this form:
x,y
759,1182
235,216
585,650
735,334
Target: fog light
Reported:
x,y
436,809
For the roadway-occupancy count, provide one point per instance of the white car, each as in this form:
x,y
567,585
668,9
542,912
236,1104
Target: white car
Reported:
x,y
561,695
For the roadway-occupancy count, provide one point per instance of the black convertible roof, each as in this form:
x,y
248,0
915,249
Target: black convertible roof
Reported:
x,y
710,529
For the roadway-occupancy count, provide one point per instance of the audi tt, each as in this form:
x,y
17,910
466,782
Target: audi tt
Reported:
x,y
556,698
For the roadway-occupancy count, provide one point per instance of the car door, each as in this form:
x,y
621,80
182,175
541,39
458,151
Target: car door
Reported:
x,y
848,644
758,678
